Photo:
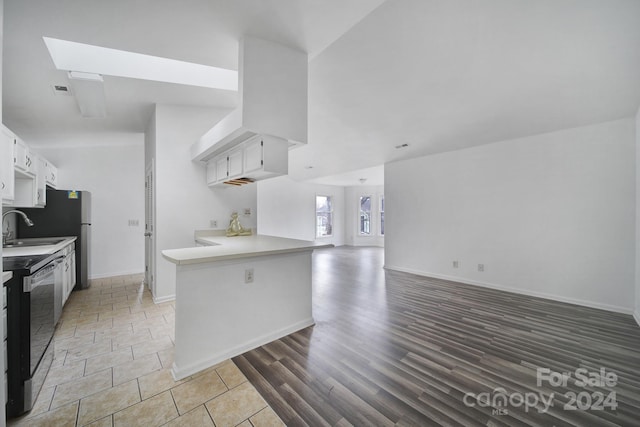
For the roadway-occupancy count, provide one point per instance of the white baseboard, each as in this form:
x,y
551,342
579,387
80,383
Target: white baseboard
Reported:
x,y
559,298
184,371
116,274
164,299
636,315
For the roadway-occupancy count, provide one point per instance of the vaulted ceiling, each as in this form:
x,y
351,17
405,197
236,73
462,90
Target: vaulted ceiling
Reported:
x,y
437,75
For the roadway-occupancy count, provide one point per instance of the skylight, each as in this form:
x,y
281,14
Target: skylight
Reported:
x,y
73,56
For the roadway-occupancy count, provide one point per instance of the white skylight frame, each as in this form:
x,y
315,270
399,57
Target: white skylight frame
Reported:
x,y
73,56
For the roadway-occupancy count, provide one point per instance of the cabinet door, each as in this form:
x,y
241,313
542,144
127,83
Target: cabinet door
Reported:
x,y
22,157
41,193
221,168
211,172
253,156
51,178
7,178
235,164
72,272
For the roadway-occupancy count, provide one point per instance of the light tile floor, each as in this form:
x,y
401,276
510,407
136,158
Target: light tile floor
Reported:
x,y
113,355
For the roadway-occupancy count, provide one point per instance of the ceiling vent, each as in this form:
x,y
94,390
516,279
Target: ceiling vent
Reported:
x,y
61,90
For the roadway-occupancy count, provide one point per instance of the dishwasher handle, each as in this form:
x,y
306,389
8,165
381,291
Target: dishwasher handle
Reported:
x,y
35,280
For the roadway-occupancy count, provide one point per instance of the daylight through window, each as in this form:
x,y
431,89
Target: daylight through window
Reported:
x,y
365,215
324,216
381,215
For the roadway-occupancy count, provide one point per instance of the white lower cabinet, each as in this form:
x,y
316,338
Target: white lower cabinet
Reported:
x,y
68,271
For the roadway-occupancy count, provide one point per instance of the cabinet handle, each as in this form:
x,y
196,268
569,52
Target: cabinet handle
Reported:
x,y
3,185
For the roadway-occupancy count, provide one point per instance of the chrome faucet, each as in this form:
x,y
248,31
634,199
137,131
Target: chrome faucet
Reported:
x,y
6,235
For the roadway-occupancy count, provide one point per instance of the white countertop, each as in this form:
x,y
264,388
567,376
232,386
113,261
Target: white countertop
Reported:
x,y
6,275
37,250
226,248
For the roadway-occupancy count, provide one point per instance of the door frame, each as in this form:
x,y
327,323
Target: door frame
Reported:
x,y
149,227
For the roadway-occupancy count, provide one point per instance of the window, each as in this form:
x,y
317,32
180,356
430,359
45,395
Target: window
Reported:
x,y
324,216
381,215
365,215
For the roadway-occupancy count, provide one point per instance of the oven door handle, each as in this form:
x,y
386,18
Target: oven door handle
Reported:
x,y
33,281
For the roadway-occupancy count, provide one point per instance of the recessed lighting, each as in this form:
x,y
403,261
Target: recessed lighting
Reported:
x,y
405,145
72,56
362,180
308,167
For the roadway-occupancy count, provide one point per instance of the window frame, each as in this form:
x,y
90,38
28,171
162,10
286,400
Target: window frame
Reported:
x,y
359,217
330,212
381,215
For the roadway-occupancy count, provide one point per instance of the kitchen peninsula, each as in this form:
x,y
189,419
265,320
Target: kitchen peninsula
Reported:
x,y
236,294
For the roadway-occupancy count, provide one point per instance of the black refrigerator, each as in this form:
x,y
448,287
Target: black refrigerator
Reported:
x,y
67,213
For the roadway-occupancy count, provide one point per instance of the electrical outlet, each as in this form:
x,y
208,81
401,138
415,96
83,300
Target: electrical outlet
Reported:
x,y
455,264
480,267
213,223
248,275
247,211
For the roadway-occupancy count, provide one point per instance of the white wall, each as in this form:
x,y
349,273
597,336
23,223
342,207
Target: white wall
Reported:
x,y
184,203
286,208
550,215
637,299
352,216
115,177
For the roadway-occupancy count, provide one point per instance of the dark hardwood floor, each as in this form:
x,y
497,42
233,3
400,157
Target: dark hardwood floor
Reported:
x,y
390,348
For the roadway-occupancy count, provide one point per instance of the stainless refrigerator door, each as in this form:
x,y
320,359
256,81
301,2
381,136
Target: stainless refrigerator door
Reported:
x,y
85,214
85,262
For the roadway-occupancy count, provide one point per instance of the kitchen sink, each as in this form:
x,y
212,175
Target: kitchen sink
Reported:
x,y
36,241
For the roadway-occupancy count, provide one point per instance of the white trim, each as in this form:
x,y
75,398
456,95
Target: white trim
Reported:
x,y
160,300
183,372
118,274
544,295
636,315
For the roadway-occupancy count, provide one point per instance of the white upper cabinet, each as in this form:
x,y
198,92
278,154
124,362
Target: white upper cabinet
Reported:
x,y
235,164
23,160
253,155
41,184
211,172
266,157
259,158
6,157
51,176
222,164
25,174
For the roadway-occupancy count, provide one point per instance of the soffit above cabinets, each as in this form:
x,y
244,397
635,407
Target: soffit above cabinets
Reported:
x,y
273,99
